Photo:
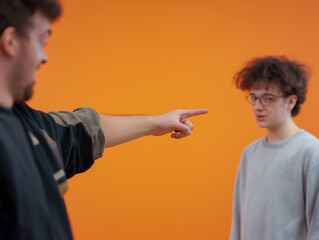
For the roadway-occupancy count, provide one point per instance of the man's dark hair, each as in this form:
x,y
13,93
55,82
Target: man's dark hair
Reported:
x,y
17,13
291,77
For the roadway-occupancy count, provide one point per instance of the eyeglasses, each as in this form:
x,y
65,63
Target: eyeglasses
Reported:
x,y
265,99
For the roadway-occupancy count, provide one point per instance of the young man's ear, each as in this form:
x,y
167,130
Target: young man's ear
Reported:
x,y
9,42
292,100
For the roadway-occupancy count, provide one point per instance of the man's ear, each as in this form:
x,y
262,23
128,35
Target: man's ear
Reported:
x,y
9,42
292,100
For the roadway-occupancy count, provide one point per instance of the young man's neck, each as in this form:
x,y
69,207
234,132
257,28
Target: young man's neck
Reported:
x,y
283,132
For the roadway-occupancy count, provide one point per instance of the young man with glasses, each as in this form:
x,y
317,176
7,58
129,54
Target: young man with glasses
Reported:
x,y
276,192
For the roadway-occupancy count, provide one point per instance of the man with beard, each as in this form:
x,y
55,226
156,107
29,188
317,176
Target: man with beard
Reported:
x,y
39,151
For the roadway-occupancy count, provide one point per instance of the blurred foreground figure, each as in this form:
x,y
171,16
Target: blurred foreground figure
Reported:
x,y
39,151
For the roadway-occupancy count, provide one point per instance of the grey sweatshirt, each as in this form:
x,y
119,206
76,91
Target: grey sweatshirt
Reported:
x,y
276,194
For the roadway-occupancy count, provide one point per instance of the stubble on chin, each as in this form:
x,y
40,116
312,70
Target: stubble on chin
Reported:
x,y
25,95
28,93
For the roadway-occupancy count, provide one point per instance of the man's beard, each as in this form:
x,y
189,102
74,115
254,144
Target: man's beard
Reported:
x,y
28,92
25,95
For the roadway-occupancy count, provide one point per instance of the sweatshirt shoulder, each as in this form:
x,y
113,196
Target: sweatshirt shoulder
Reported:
x,y
307,139
255,144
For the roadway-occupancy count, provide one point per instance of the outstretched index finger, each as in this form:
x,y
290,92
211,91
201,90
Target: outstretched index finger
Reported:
x,y
194,112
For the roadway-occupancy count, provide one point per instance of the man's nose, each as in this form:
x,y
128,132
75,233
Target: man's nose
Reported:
x,y
258,104
44,58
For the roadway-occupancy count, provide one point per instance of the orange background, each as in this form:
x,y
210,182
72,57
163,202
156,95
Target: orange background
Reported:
x,y
152,56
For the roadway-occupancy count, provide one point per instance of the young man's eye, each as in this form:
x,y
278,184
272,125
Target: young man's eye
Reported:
x,y
253,98
269,98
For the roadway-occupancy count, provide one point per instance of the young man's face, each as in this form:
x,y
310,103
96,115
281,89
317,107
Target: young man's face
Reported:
x,y
30,56
271,109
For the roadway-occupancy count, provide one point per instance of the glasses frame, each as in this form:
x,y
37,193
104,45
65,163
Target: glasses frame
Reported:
x,y
265,99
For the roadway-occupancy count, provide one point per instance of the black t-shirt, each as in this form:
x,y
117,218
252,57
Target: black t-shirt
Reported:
x,y
37,155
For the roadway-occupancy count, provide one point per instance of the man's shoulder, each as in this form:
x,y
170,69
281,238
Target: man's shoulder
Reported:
x,y
309,135
305,138
27,113
255,143
24,109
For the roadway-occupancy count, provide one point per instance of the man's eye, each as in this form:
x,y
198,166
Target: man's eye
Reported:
x,y
253,98
269,98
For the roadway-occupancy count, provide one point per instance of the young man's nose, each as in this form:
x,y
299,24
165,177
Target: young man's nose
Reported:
x,y
258,104
44,58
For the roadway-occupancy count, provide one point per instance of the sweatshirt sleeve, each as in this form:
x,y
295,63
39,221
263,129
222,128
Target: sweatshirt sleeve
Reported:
x,y
72,140
312,203
237,196
90,119
235,226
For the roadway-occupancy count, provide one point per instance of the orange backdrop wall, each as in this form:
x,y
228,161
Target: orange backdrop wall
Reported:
x,y
152,56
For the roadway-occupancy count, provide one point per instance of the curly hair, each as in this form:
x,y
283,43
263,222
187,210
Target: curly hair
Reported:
x,y
291,77
17,13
